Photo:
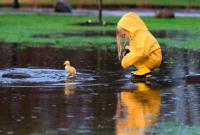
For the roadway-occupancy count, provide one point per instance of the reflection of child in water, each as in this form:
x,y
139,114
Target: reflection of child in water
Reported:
x,y
143,50
138,110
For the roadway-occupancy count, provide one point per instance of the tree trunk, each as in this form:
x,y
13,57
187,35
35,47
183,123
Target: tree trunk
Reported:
x,y
16,4
190,4
100,10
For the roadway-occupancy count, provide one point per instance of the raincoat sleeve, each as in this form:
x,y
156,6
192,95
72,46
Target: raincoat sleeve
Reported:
x,y
139,50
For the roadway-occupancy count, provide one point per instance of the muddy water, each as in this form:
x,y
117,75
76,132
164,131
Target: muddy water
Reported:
x,y
101,99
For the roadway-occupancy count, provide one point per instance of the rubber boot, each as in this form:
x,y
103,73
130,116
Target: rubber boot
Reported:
x,y
142,71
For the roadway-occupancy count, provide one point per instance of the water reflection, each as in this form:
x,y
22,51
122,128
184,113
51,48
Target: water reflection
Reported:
x,y
94,102
137,109
69,86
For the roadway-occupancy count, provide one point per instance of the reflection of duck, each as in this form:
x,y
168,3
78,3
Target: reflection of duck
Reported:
x,y
70,70
69,87
137,110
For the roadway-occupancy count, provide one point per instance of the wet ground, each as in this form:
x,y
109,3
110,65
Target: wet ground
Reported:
x,y
189,12
101,99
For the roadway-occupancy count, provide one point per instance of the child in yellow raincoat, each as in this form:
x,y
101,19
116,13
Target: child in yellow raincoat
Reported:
x,y
143,50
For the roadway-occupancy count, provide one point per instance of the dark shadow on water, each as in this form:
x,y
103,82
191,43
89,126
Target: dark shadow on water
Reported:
x,y
101,99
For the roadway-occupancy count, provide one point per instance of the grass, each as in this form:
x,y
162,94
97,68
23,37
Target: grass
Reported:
x,y
20,28
110,2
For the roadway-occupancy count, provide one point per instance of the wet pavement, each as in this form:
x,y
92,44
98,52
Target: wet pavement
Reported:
x,y
188,12
140,12
101,99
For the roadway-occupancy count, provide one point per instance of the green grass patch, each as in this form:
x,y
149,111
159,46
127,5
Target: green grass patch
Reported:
x,y
21,28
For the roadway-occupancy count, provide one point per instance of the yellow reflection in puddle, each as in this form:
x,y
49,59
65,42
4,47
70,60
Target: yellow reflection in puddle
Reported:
x,y
137,109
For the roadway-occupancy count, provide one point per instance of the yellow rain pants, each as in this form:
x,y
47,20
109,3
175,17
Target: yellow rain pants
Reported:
x,y
145,53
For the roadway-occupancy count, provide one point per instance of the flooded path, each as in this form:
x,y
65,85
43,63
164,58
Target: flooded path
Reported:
x,y
101,99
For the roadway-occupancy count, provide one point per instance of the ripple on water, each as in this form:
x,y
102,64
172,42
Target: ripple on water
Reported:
x,y
42,76
83,129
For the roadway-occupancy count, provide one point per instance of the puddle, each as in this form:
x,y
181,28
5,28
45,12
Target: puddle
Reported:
x,y
78,33
41,76
101,99
172,34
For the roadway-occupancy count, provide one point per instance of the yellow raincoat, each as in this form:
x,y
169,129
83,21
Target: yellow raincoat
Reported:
x,y
145,52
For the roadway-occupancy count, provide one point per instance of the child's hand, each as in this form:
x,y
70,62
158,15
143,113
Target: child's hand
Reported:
x,y
127,47
124,52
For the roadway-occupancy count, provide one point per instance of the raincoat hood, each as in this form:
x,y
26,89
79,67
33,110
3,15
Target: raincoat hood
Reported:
x,y
132,23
